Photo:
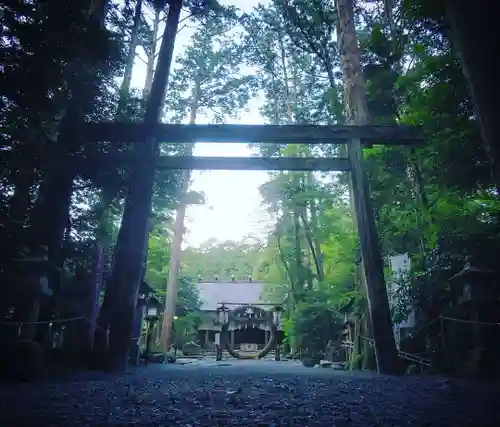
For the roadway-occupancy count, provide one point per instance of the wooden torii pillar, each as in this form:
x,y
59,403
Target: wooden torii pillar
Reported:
x,y
359,136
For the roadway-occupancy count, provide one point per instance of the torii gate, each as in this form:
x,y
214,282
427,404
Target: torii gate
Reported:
x,y
355,137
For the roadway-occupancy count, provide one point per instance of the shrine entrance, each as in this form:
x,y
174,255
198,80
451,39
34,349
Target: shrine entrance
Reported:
x,y
353,137
249,331
248,338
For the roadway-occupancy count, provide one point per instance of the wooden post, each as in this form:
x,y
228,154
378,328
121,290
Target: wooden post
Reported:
x,y
356,110
134,231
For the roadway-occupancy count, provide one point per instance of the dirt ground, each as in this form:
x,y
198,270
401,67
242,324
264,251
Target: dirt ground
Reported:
x,y
249,393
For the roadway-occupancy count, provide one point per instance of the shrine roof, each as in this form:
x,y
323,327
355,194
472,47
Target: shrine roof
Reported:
x,y
240,291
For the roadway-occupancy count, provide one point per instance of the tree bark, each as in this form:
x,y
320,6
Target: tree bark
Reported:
x,y
150,66
356,111
175,257
288,103
314,249
129,67
106,199
476,33
19,206
52,211
314,227
299,284
132,241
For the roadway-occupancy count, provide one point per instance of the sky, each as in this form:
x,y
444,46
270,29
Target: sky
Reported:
x,y
233,209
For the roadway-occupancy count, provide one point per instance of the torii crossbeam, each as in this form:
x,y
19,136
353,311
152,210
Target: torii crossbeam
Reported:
x,y
392,135
277,134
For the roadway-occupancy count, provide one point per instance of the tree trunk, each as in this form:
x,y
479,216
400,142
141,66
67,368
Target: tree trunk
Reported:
x,y
173,277
106,199
298,252
98,10
52,212
368,353
150,66
313,248
55,191
129,67
356,362
175,258
318,255
19,206
133,235
288,104
357,114
476,32
48,231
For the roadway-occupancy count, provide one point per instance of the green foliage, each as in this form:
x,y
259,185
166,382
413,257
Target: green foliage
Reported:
x,y
220,259
309,255
314,324
436,202
185,333
300,86
157,272
207,78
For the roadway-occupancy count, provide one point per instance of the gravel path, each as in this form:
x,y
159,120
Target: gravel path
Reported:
x,y
250,393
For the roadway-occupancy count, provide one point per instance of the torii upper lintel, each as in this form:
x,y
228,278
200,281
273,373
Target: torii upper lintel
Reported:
x,y
279,134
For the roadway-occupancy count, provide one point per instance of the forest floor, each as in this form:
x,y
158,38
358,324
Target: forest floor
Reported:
x,y
249,393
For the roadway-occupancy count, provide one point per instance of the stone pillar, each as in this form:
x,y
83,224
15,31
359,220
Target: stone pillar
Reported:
x,y
232,338
207,339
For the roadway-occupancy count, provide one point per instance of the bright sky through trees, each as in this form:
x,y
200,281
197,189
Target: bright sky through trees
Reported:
x,y
233,209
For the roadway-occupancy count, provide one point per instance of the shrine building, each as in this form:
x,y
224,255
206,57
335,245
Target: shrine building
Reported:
x,y
242,295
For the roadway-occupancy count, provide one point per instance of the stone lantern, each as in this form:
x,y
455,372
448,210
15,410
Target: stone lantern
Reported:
x,y
278,309
153,309
221,319
35,271
478,303
145,292
277,315
478,296
153,312
222,315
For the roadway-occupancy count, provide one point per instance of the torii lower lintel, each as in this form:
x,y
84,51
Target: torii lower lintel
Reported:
x,y
254,163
